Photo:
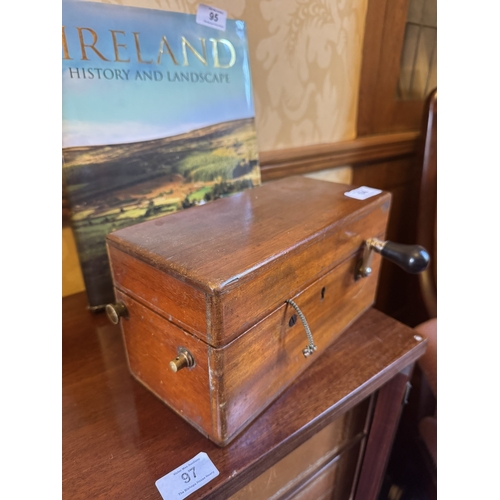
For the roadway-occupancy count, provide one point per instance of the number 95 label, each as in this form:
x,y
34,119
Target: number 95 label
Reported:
x,y
187,478
211,17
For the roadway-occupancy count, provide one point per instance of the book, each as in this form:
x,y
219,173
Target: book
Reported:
x,y
158,116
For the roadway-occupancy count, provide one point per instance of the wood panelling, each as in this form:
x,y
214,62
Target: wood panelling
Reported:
x,y
379,110
334,481
282,163
301,467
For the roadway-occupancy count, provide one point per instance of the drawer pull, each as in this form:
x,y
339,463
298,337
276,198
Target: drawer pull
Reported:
x,y
311,347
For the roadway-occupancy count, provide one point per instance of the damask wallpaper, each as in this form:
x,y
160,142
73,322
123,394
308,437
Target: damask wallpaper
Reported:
x,y
305,58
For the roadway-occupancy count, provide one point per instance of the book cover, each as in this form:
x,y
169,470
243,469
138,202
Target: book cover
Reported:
x,y
158,116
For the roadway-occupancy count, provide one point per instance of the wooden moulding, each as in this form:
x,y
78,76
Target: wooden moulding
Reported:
x,y
306,159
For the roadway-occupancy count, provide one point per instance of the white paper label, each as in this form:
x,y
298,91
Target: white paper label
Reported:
x,y
187,478
363,192
211,17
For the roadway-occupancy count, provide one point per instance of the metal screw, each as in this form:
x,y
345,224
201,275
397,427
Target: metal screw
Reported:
x,y
116,311
184,359
293,320
418,338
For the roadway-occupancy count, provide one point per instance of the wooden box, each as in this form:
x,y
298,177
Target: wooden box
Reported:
x,y
215,280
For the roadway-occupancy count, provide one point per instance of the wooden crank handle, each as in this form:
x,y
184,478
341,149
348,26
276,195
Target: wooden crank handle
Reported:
x,y
412,258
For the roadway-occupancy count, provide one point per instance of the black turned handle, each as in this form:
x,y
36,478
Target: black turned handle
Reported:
x,y
412,258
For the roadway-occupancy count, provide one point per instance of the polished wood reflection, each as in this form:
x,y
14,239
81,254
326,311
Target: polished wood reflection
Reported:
x,y
118,438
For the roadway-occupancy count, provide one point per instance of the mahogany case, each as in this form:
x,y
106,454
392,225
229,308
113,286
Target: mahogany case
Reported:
x,y
215,279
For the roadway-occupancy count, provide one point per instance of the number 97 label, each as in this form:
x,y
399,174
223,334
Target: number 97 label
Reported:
x,y
187,478
211,17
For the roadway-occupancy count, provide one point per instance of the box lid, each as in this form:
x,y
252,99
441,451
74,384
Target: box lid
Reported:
x,y
246,254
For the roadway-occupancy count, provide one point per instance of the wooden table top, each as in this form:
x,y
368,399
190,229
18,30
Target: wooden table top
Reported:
x,y
118,438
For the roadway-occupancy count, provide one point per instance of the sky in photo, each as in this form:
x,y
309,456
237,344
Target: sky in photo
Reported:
x,y
119,107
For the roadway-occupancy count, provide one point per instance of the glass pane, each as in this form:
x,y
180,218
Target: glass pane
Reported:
x,y
418,67
423,59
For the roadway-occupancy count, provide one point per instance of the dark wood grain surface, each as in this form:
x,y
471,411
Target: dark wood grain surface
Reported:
x,y
249,252
281,163
249,230
427,206
230,386
118,438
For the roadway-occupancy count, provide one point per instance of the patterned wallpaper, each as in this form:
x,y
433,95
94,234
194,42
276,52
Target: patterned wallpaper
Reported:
x,y
305,58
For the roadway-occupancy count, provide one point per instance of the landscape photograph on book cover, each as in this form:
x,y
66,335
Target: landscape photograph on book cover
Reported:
x,y
158,116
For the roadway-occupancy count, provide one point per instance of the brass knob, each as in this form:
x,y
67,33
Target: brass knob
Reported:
x,y
116,311
184,359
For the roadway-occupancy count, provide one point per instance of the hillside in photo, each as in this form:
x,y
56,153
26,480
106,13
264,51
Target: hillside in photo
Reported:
x,y
114,186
